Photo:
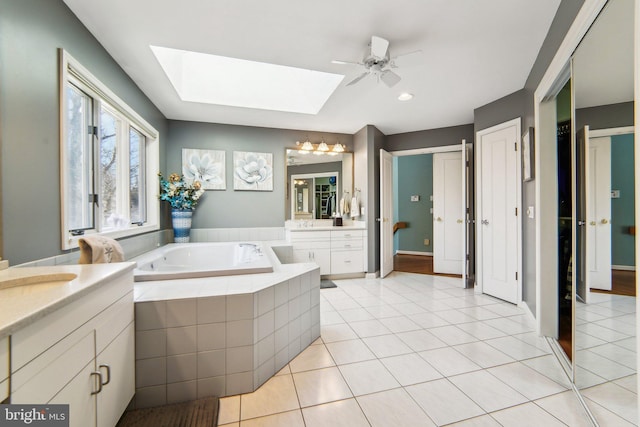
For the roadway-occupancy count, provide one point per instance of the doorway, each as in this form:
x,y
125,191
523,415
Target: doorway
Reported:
x,y
428,225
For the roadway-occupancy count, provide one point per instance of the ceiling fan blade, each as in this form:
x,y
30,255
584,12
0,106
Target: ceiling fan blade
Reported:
x,y
407,59
341,62
389,78
379,47
357,79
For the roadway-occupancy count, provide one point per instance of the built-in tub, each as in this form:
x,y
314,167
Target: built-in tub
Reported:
x,y
190,260
221,335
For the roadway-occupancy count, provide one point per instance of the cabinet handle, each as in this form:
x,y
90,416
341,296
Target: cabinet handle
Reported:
x,y
99,375
347,261
108,374
347,246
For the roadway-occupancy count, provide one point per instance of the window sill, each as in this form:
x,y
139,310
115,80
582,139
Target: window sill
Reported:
x,y
72,242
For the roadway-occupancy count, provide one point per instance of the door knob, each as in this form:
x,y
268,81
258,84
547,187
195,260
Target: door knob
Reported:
x,y
459,221
485,221
438,219
592,223
604,221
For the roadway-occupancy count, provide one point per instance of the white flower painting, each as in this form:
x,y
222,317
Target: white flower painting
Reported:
x,y
206,166
252,171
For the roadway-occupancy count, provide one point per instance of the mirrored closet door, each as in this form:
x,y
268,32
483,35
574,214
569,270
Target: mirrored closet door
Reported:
x,y
603,228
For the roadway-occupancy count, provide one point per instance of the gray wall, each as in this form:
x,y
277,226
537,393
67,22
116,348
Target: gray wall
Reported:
x,y
229,208
605,116
429,138
520,104
31,31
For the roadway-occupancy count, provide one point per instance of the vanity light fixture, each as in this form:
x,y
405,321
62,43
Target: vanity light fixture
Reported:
x,y
321,148
307,146
338,148
405,96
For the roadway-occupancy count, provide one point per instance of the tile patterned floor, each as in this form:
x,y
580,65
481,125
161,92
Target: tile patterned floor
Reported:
x,y
606,355
416,350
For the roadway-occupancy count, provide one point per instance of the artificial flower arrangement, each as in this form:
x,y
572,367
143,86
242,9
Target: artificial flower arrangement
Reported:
x,y
179,193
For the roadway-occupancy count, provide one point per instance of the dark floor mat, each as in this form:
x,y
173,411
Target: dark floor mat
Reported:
x,y
326,283
196,413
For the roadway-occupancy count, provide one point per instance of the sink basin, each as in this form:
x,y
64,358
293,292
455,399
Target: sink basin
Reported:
x,y
37,279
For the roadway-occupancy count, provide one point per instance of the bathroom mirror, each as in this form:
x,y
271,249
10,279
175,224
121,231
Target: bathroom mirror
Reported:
x,y
603,268
307,166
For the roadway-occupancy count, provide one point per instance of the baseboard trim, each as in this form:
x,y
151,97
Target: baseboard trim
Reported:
x,y
624,267
372,275
414,253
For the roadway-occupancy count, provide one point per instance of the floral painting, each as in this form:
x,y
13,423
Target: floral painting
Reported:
x,y
205,166
252,171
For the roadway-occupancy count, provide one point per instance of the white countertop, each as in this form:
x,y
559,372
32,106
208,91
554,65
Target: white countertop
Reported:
x,y
323,225
26,303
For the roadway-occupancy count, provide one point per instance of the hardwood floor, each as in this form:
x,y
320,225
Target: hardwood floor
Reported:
x,y
622,283
420,264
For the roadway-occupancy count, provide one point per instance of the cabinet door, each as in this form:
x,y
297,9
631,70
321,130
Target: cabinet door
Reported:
x,y
4,368
116,363
322,257
77,394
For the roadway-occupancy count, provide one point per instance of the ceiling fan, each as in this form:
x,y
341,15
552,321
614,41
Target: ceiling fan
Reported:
x,y
377,61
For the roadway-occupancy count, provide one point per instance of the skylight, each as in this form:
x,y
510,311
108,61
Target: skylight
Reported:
x,y
213,79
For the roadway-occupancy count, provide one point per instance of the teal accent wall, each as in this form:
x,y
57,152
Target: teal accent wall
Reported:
x,y
415,177
622,209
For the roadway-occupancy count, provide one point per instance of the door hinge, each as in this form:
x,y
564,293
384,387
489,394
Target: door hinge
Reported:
x,y
467,257
93,198
466,163
92,130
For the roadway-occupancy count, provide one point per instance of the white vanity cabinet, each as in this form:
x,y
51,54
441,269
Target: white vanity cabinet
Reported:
x,y
4,368
337,251
81,355
347,251
313,246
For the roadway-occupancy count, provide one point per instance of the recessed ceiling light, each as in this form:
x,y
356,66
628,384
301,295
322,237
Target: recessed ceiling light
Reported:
x,y
405,96
213,79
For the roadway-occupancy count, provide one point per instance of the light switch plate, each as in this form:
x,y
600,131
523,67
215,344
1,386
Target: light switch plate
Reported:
x,y
415,198
615,194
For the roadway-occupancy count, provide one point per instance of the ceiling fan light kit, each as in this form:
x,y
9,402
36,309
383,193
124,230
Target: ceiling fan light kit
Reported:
x,y
377,61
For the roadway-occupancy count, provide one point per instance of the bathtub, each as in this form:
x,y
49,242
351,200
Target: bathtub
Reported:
x,y
219,336
193,260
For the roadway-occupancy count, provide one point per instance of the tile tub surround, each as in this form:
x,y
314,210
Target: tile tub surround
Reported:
x,y
221,336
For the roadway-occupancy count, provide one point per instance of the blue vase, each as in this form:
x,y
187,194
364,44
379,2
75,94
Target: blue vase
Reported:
x,y
181,220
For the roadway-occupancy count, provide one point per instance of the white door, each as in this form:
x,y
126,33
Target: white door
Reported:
x,y
386,213
448,213
497,229
599,213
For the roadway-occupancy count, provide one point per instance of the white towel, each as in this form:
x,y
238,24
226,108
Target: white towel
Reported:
x,y
96,249
344,206
355,207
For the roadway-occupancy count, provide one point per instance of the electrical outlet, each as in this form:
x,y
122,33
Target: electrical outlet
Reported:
x,y
427,242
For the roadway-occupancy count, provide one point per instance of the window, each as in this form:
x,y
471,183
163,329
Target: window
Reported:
x,y
109,161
